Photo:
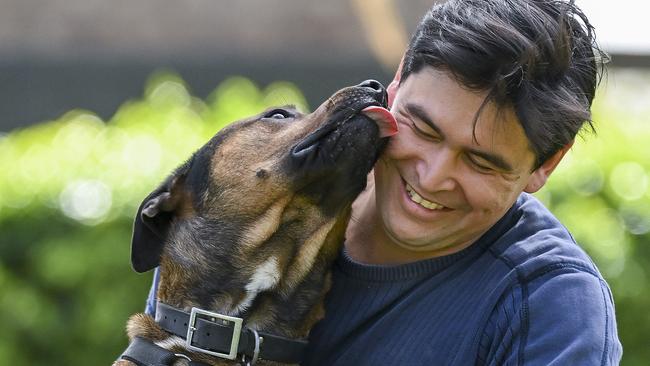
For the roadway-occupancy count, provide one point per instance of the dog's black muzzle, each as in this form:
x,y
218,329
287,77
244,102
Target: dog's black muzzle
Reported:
x,y
332,162
368,93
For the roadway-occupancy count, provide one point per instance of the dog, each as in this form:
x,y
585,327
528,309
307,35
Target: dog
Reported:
x,y
246,230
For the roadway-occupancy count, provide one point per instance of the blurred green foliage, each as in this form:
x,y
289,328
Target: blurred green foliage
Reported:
x,y
69,189
600,193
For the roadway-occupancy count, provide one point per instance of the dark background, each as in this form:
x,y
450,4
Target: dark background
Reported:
x,y
63,54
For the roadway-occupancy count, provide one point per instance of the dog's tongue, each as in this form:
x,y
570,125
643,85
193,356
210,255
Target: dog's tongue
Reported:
x,y
384,119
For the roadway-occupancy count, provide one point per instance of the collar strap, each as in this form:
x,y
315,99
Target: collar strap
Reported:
x,y
144,353
223,336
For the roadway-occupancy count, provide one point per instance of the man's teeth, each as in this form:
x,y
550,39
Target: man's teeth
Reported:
x,y
415,197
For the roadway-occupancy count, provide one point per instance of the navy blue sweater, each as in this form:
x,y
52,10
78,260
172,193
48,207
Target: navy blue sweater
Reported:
x,y
523,294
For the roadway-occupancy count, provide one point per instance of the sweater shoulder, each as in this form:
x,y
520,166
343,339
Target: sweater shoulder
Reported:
x,y
536,243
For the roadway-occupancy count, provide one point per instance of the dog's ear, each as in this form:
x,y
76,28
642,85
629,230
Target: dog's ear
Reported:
x,y
152,223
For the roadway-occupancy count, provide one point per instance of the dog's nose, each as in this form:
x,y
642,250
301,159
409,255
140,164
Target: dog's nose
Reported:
x,y
377,90
374,85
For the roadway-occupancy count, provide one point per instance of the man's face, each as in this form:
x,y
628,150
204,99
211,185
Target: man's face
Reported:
x,y
437,187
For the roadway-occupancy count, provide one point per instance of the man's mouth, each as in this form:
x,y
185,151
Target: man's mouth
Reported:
x,y
415,197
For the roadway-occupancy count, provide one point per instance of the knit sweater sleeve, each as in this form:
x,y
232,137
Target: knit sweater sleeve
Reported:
x,y
562,317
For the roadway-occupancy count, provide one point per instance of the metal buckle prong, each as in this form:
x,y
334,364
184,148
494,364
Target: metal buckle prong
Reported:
x,y
191,328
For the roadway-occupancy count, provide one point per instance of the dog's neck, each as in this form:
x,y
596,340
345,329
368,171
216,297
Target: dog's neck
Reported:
x,y
271,299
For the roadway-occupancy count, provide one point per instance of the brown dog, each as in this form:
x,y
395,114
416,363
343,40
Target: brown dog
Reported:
x,y
246,230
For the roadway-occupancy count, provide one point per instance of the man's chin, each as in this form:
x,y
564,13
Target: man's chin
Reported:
x,y
426,246
407,241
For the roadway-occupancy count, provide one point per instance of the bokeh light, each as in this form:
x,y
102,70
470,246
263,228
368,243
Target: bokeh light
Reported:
x,y
93,170
629,180
87,201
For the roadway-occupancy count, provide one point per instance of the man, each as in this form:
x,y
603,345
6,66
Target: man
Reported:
x,y
448,260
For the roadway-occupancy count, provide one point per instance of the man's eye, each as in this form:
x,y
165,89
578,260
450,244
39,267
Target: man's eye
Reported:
x,y
424,131
278,114
479,165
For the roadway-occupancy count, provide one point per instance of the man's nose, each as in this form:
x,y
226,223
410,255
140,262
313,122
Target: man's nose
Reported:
x,y
376,89
439,171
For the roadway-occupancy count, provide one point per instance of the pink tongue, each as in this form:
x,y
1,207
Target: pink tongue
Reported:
x,y
384,119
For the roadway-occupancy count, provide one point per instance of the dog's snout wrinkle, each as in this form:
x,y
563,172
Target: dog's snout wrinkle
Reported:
x,y
309,144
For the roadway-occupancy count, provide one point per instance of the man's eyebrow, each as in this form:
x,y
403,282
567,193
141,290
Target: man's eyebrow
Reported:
x,y
496,160
419,113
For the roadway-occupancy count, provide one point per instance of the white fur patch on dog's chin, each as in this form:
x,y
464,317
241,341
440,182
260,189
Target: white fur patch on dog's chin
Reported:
x,y
266,276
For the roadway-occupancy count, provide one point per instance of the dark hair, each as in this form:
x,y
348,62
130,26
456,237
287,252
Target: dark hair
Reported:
x,y
538,56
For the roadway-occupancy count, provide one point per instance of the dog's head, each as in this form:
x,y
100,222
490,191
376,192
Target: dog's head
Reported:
x,y
264,194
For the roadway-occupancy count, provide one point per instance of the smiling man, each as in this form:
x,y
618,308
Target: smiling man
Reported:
x,y
448,259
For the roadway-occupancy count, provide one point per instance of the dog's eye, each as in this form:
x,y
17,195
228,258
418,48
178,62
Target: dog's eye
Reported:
x,y
278,114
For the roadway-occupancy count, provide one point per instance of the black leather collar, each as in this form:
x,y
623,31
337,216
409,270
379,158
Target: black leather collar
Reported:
x,y
225,336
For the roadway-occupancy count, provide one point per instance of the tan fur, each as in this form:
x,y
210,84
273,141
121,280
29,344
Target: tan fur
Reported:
x,y
307,254
142,325
267,224
173,280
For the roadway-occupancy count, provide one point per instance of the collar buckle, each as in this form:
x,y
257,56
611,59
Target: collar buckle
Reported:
x,y
230,321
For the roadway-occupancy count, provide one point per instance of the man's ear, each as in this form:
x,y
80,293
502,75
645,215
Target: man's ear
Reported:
x,y
152,222
537,180
392,87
